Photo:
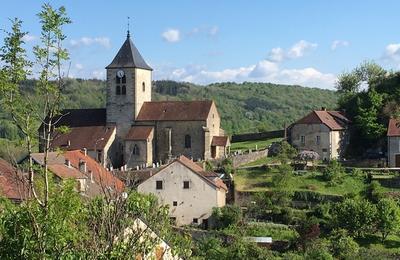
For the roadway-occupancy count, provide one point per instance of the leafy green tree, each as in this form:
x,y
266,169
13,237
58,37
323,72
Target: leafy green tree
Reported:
x,y
343,246
374,192
388,217
282,177
229,215
309,231
318,250
356,216
286,152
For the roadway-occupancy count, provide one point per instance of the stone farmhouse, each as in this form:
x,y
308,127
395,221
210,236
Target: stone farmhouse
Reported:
x,y
190,191
393,137
133,130
321,131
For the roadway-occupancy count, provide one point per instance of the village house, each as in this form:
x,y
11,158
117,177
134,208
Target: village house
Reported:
x,y
134,131
189,190
92,179
393,139
324,132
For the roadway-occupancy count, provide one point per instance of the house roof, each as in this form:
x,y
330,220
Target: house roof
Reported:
x,y
89,137
394,127
139,133
219,141
175,111
128,56
101,176
211,177
12,183
334,120
82,117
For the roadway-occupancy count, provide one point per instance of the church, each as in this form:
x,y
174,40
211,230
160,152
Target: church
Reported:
x,y
133,131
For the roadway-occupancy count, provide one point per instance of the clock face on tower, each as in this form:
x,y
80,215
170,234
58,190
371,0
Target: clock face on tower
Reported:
x,y
120,73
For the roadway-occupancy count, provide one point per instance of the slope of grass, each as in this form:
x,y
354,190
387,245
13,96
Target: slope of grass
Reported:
x,y
252,145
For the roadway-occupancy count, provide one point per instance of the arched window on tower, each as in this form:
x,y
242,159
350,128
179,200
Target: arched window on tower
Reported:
x,y
135,150
143,86
120,89
188,141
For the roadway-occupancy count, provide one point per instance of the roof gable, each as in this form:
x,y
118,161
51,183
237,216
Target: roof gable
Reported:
x,y
393,127
128,56
175,111
334,120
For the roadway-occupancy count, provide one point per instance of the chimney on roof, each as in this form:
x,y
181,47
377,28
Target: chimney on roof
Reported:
x,y
84,151
82,166
323,108
67,163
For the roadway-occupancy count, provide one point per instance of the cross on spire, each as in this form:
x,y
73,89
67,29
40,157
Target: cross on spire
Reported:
x,y
128,33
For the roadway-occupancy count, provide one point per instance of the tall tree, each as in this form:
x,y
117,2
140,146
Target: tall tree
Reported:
x,y
388,217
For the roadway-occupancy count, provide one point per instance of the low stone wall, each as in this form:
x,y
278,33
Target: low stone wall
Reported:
x,y
241,159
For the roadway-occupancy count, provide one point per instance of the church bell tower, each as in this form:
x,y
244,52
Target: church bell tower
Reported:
x,y
129,80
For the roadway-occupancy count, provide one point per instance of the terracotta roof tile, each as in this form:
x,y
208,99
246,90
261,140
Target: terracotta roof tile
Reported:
x,y
139,133
219,141
12,184
330,118
89,137
101,176
394,127
65,172
175,111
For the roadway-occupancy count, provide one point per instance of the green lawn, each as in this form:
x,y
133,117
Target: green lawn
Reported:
x,y
262,161
258,179
391,244
261,144
276,231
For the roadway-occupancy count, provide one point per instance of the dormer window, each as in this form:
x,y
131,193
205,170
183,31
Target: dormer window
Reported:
x,y
120,88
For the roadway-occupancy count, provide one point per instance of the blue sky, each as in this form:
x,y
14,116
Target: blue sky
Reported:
x,y
292,42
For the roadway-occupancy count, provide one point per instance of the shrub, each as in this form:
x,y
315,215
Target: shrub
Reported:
x,y
343,246
333,173
226,216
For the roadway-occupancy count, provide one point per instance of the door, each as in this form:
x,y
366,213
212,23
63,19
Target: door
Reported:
x,y
213,151
397,161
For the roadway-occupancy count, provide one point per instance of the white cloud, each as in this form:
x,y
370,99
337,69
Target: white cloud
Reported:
x,y
276,55
300,48
392,51
213,30
339,43
29,38
99,74
88,41
171,35
263,71
78,66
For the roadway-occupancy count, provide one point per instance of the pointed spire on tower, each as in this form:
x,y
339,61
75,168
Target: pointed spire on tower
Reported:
x,y
128,35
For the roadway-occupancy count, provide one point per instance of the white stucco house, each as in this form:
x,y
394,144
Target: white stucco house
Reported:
x,y
393,137
324,132
190,191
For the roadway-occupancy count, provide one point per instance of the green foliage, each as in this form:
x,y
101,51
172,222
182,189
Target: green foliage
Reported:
x,y
343,246
308,230
356,216
227,166
229,215
282,178
374,192
333,173
286,152
388,217
319,250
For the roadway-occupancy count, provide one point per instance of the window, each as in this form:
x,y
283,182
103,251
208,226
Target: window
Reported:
x,y
174,203
120,89
135,150
318,140
195,220
303,139
159,185
188,141
186,184
143,86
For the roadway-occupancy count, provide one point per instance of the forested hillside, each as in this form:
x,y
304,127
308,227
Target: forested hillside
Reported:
x,y
246,107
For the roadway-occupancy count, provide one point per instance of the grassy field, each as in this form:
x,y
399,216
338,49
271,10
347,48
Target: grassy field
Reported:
x,y
258,179
261,144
